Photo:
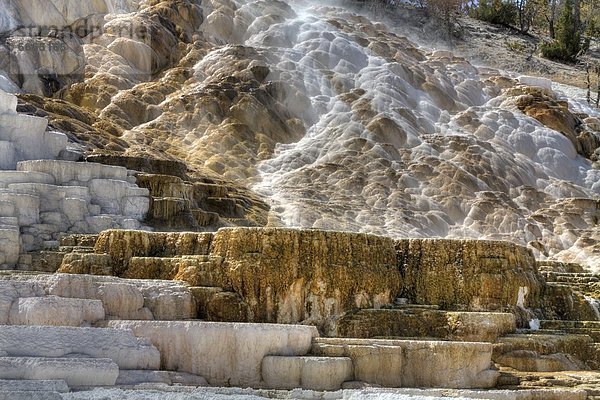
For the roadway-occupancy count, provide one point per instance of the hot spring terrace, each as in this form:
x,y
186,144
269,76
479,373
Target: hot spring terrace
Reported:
x,y
285,309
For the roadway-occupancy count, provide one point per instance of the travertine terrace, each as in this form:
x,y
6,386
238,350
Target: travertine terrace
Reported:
x,y
285,199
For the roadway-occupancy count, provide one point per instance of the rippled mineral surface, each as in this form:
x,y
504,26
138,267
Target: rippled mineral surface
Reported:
x,y
334,119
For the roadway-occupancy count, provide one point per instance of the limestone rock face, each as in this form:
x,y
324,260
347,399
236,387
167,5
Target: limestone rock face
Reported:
x,y
290,275
123,245
281,275
323,277
81,300
468,274
186,346
267,95
42,197
406,363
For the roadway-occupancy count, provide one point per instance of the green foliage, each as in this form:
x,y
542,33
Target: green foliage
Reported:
x,y
567,44
497,12
555,51
593,28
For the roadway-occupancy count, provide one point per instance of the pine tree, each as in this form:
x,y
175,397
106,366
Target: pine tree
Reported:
x,y
567,44
568,34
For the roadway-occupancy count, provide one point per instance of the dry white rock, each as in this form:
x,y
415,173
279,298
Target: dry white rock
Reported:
x,y
54,310
235,350
31,385
127,351
415,363
50,197
84,299
314,373
535,81
74,371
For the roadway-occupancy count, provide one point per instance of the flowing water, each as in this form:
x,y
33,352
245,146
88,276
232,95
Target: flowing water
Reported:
x,y
407,142
354,127
595,305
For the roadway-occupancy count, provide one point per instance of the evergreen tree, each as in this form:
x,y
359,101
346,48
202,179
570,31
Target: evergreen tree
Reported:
x,y
568,34
567,44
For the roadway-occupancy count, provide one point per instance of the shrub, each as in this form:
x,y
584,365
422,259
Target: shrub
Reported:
x,y
497,12
567,44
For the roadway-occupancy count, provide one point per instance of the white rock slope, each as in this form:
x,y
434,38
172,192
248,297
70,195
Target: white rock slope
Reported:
x,y
42,197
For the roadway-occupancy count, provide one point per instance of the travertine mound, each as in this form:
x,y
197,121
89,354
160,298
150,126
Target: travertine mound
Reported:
x,y
186,346
307,275
310,276
469,273
282,275
333,118
42,195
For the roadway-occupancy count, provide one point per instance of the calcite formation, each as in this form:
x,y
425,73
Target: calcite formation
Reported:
x,y
179,115
425,321
471,274
309,276
287,100
281,275
141,327
316,373
185,346
120,346
398,363
306,275
545,353
80,300
42,197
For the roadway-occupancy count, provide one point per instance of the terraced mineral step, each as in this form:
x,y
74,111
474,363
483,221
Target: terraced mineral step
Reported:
x,y
8,177
121,298
54,310
414,363
74,371
28,395
223,353
135,377
121,346
216,304
553,266
314,373
543,352
68,171
195,270
33,385
79,240
416,322
45,261
571,277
